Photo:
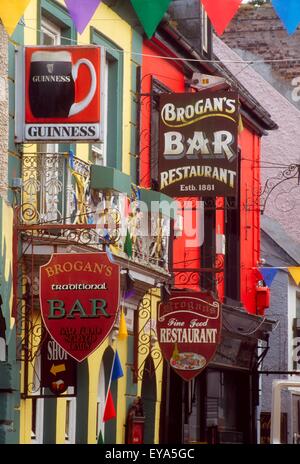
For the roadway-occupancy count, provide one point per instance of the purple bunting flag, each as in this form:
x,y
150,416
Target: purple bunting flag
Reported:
x,y
82,12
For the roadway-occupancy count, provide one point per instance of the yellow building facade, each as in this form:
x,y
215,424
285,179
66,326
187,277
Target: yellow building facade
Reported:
x,y
51,193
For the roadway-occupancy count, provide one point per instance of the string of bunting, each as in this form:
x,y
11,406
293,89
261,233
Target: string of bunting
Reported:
x,y
269,273
151,12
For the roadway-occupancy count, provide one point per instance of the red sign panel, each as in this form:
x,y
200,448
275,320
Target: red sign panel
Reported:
x,y
62,93
58,370
189,329
79,298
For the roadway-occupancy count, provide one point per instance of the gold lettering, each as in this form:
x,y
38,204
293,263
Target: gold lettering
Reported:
x,y
49,271
78,266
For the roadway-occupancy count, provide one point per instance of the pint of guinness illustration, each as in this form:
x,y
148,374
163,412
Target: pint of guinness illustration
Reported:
x,y
52,90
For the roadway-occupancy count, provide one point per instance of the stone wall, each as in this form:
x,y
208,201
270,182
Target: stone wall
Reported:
x,y
3,111
260,31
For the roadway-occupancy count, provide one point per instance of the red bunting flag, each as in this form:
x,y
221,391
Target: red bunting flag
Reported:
x,y
109,411
221,12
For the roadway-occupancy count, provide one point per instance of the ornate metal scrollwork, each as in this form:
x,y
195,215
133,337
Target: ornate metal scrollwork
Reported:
x,y
147,339
283,200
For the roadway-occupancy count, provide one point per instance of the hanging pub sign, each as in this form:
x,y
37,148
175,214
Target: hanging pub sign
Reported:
x,y
198,144
189,330
58,93
79,298
58,370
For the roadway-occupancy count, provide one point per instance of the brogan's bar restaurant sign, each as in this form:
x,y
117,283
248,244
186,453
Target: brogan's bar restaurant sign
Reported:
x,y
79,298
189,330
198,146
58,94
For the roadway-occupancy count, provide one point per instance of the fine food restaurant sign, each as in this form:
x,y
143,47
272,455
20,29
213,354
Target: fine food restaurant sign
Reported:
x,y
189,329
79,299
198,144
58,93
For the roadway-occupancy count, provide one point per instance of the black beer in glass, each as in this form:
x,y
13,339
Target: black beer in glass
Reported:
x,y
51,85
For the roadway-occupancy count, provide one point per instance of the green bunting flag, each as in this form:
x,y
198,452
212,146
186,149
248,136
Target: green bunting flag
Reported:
x,y
150,13
128,245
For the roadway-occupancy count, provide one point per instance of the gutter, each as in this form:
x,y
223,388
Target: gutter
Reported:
x,y
250,104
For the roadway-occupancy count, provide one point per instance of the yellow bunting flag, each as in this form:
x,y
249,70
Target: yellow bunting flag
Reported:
x,y
295,273
114,249
123,334
11,12
241,125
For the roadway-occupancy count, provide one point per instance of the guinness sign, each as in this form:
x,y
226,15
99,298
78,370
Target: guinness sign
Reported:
x,y
59,94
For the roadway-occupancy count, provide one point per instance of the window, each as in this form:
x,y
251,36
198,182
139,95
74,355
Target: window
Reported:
x,y
99,150
50,33
111,150
157,89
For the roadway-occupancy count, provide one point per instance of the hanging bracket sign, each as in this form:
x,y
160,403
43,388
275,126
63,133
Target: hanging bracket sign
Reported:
x,y
79,298
198,144
189,329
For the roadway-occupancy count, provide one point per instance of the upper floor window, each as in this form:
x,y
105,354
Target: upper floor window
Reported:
x,y
50,33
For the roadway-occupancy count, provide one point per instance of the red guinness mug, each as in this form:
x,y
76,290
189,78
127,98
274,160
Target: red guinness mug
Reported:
x,y
52,84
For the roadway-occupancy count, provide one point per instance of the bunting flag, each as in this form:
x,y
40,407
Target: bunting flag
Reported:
x,y
109,411
11,13
129,291
128,245
150,13
241,125
114,248
109,254
123,333
82,12
295,273
117,370
289,13
268,274
221,12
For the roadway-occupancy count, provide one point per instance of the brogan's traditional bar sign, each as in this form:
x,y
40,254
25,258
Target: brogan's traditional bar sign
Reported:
x,y
58,93
198,147
79,298
189,329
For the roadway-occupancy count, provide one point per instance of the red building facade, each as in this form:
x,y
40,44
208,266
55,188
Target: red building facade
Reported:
x,y
224,264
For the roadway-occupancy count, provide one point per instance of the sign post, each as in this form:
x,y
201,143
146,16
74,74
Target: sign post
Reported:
x,y
79,298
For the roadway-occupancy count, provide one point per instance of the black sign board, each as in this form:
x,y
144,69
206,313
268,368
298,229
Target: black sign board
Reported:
x,y
58,370
198,147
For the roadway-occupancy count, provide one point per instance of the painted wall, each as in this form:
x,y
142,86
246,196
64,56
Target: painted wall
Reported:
x,y
9,380
118,31
250,216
